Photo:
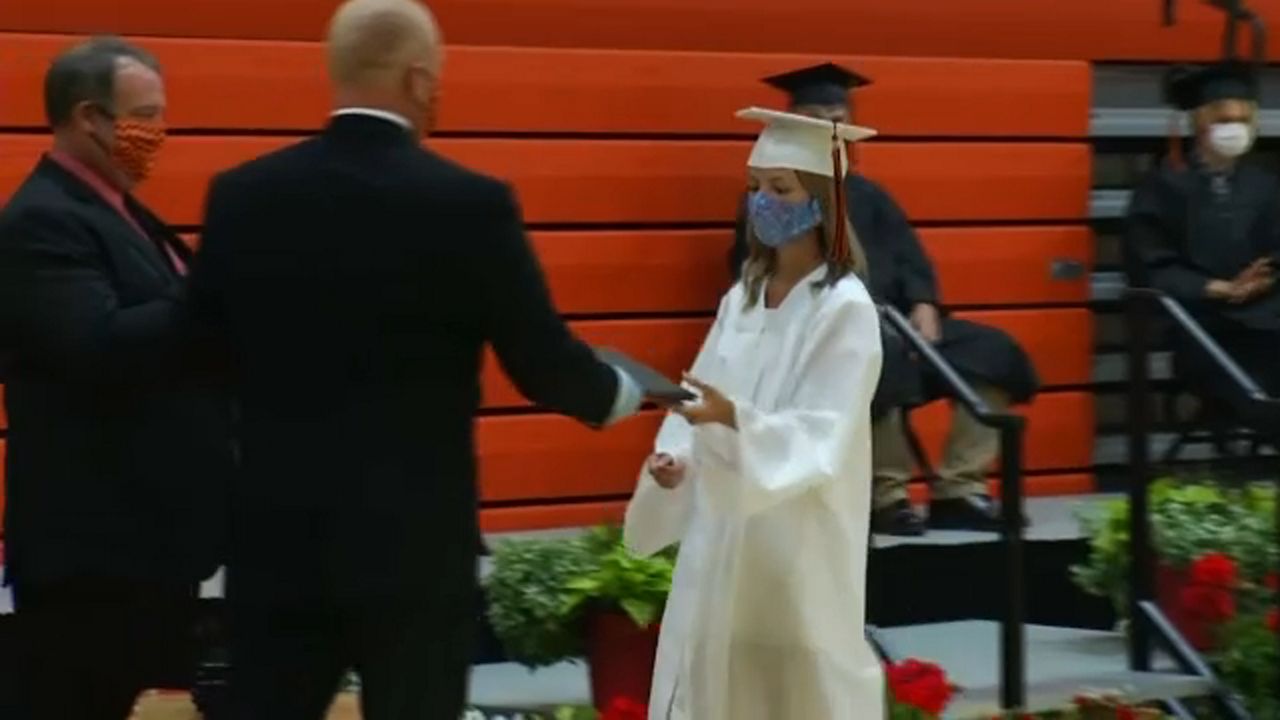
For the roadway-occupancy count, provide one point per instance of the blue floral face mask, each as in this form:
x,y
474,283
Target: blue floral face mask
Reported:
x,y
777,222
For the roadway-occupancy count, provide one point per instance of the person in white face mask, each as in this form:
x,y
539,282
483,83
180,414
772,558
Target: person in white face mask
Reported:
x,y
1205,225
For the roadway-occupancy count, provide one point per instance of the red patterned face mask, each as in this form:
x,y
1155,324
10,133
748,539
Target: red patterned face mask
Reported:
x,y
138,142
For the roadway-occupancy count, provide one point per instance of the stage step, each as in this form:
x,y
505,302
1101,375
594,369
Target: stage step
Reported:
x,y
1053,519
1061,663
514,686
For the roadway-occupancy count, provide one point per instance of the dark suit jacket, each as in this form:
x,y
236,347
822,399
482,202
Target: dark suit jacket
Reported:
x,y
118,452
356,278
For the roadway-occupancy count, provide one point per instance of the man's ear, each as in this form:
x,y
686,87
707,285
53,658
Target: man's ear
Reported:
x,y
85,117
423,83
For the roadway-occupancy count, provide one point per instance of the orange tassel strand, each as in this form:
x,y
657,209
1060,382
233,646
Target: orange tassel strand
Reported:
x,y
840,243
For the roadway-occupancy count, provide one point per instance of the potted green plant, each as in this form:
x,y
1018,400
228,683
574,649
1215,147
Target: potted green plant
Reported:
x,y
1216,576
1188,520
556,600
1194,520
621,600
1242,617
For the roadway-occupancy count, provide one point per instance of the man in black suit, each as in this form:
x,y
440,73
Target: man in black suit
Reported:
x,y
356,279
118,452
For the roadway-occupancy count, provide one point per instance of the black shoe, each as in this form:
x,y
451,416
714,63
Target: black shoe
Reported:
x,y
898,519
976,512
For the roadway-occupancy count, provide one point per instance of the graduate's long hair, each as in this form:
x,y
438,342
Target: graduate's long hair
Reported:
x,y
762,260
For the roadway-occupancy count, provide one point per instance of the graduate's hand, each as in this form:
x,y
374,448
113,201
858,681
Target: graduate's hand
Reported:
x,y
927,321
714,407
1257,279
1230,291
1237,292
1260,269
1256,287
667,471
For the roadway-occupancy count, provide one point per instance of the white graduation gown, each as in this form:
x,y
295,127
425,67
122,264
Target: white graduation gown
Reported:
x,y
765,617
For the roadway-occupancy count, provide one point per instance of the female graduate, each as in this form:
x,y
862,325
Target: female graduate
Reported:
x,y
765,481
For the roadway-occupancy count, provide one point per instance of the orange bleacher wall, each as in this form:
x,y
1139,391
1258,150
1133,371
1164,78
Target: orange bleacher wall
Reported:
x,y
629,164
1048,29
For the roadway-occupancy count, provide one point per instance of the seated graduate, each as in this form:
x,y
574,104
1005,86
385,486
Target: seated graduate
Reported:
x,y
1205,228
765,480
901,275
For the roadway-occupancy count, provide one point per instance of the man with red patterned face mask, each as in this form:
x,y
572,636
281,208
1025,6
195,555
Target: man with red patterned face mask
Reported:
x,y
118,138
116,448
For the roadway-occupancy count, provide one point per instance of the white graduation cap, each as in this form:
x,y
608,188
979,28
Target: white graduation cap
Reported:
x,y
801,143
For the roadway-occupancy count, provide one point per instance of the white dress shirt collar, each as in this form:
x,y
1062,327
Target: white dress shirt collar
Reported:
x,y
374,112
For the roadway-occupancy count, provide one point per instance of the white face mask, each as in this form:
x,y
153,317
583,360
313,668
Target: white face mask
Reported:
x,y
1230,139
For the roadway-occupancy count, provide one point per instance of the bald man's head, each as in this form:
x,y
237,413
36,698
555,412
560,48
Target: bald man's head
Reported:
x,y
385,52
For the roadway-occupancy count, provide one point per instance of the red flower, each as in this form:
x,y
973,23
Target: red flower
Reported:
x,y
625,708
921,685
1208,603
1214,569
1273,619
1272,582
1126,713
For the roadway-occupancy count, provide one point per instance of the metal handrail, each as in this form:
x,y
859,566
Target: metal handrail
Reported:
x,y
1013,686
880,645
1190,662
1257,406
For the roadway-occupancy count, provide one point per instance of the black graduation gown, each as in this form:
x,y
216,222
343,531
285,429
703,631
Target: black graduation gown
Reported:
x,y
1187,227
901,275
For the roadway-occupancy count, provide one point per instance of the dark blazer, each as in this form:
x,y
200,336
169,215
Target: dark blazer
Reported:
x,y
118,450
1182,233
356,279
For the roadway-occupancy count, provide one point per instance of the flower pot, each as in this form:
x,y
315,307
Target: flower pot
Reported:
x,y
621,657
1170,582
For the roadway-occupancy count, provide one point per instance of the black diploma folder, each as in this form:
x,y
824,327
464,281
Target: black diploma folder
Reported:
x,y
654,384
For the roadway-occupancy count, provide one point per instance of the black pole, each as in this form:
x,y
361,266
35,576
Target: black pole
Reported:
x,y
1013,688
1141,581
1229,31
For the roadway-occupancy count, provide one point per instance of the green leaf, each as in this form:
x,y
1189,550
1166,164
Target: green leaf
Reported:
x,y
642,613
527,606
588,584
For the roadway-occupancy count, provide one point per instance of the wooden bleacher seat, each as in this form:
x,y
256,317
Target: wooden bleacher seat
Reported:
x,y
628,166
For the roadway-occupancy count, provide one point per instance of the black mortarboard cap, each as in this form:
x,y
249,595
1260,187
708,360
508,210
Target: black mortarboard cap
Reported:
x,y
825,84
1188,88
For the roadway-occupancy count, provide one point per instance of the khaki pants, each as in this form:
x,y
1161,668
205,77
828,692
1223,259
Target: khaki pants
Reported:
x,y
968,454
178,706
